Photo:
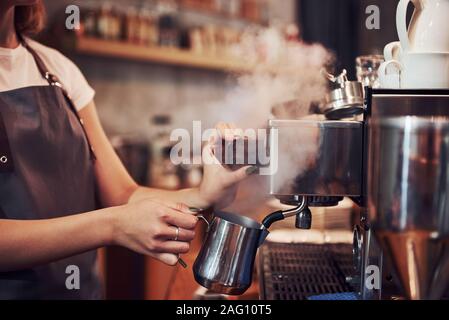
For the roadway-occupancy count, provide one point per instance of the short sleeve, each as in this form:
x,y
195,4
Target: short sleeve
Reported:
x,y
77,86
71,77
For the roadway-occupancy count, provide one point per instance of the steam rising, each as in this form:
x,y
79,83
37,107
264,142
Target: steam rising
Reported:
x,y
283,87
290,73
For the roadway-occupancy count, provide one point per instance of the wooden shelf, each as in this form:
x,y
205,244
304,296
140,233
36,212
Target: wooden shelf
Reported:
x,y
167,56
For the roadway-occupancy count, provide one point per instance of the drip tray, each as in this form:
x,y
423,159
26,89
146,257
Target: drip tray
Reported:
x,y
296,271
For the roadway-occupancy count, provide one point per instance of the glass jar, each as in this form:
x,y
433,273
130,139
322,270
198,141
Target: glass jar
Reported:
x,y
367,67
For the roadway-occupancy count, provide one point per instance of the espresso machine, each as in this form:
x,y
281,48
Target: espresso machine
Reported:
x,y
387,150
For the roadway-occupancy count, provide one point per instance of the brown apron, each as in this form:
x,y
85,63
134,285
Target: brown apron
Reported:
x,y
46,171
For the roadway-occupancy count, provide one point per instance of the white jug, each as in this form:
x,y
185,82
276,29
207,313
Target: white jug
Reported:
x,y
429,28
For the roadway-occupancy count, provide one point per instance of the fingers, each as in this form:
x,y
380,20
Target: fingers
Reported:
x,y
223,126
228,131
174,247
181,207
242,174
208,155
224,131
170,233
176,206
178,219
167,258
176,214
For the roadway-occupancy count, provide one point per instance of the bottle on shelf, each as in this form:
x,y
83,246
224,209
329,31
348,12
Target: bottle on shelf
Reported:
x,y
103,21
131,25
169,30
89,20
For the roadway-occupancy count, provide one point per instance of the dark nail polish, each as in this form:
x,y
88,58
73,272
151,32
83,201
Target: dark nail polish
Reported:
x,y
252,170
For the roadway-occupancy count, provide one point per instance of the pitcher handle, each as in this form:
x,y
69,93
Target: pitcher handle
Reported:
x,y
401,22
383,74
201,217
390,49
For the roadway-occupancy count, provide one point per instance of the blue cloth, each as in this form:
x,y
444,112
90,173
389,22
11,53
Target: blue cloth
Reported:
x,y
345,296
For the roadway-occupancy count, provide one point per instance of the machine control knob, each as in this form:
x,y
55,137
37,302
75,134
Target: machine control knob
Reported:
x,y
304,219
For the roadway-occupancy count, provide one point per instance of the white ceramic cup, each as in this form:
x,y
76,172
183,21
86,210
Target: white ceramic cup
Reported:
x,y
416,71
393,51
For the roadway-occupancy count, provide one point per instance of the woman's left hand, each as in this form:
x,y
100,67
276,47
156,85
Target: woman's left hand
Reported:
x,y
219,185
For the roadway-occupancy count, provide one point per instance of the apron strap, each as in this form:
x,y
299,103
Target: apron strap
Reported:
x,y
54,81
6,163
51,78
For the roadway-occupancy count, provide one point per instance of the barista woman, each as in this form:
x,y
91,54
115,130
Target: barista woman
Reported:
x,y
57,166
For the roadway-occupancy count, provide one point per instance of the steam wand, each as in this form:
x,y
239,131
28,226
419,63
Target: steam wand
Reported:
x,y
302,213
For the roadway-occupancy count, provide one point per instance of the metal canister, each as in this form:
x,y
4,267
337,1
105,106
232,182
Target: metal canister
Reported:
x,y
346,98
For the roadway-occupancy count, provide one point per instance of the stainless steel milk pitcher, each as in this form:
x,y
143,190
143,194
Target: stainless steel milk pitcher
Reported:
x,y
225,262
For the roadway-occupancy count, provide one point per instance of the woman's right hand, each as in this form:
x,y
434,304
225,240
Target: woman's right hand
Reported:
x,y
149,227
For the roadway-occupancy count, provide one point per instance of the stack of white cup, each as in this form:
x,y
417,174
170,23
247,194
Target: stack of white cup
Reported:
x,y
420,60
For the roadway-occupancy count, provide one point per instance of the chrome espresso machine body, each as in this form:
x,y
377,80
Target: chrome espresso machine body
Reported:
x,y
394,164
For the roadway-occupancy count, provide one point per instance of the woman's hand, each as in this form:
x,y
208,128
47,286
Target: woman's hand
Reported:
x,y
219,185
150,227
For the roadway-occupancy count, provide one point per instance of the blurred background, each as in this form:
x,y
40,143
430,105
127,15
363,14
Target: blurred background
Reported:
x,y
159,65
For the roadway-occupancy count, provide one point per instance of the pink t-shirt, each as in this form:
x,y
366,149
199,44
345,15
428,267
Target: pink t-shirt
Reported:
x,y
19,70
